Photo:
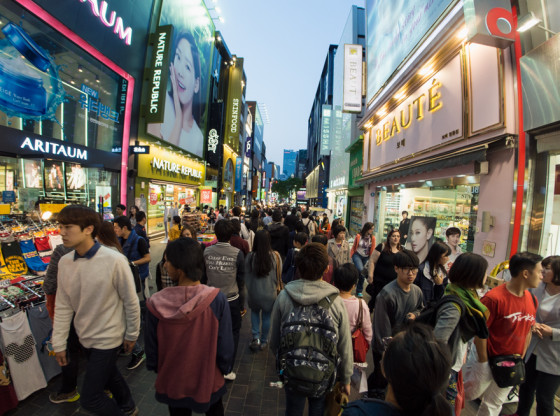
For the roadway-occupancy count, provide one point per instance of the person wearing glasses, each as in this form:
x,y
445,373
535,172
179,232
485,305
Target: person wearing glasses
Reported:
x,y
398,302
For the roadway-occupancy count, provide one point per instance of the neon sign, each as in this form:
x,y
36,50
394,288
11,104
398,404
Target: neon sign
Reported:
x,y
44,146
114,21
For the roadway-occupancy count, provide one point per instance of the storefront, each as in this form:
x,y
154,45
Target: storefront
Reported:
x,y
442,148
228,177
66,101
166,182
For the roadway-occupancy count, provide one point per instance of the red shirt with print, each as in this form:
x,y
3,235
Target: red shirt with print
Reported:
x,y
511,319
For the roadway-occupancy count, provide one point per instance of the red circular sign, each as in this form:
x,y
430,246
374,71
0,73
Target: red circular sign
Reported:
x,y
153,198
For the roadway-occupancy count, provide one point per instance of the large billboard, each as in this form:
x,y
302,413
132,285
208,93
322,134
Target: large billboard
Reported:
x,y
394,28
186,93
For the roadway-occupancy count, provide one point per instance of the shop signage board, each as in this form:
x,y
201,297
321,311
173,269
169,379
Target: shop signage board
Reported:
x,y
326,130
234,105
394,28
489,22
159,74
352,84
206,196
430,116
169,166
139,150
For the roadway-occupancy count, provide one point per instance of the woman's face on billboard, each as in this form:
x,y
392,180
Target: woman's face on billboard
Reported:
x,y
419,236
187,81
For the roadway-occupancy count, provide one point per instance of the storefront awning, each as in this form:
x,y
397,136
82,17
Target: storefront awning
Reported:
x,y
467,156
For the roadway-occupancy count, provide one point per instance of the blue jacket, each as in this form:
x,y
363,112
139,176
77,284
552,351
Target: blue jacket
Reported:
x,y
130,250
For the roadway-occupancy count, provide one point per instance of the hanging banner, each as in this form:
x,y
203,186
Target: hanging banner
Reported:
x,y
352,84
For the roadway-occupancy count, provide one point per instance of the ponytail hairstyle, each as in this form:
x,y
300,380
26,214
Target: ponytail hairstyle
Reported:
x,y
417,366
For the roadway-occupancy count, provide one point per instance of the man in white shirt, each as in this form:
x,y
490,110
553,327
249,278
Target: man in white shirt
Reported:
x,y
95,289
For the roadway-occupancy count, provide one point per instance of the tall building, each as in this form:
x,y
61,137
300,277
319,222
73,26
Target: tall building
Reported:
x,y
301,164
289,163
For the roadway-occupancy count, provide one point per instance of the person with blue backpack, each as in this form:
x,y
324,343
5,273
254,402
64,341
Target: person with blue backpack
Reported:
x,y
310,335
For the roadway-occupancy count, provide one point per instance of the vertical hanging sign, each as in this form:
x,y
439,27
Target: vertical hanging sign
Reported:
x,y
352,85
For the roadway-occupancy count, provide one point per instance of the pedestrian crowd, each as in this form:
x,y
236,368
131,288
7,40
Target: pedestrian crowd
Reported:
x,y
437,341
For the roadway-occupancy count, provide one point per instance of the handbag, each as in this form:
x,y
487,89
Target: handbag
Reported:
x,y
335,400
508,370
360,346
279,283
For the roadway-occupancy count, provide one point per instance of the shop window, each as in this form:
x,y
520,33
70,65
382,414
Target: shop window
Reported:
x,y
58,90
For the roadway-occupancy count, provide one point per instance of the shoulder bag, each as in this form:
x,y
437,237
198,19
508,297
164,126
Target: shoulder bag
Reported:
x,y
360,346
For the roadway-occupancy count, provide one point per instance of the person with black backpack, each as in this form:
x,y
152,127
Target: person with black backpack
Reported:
x,y
310,335
460,315
289,271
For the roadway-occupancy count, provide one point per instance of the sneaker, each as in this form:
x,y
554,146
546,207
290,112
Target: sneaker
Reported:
x,y
64,397
263,346
230,376
255,344
133,412
136,360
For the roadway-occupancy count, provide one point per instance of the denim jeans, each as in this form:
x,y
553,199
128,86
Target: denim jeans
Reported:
x,y
102,373
295,404
544,384
70,371
359,262
256,324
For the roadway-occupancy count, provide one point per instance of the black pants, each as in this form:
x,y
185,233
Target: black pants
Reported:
x,y
235,310
70,371
544,384
376,381
217,409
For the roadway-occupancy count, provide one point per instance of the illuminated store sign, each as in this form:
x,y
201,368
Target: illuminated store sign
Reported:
x,y
100,11
489,22
46,147
213,140
159,74
175,168
430,116
352,83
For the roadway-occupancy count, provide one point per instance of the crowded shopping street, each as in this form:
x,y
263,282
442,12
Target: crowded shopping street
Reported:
x,y
246,207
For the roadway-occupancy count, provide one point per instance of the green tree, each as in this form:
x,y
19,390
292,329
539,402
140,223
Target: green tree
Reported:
x,y
287,187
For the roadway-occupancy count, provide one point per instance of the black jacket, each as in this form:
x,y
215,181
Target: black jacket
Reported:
x,y
279,238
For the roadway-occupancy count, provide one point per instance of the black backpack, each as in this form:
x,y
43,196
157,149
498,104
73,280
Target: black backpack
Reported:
x,y
306,228
428,315
308,357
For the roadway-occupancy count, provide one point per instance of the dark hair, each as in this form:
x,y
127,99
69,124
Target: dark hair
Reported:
x,y
334,224
277,216
437,250
367,226
236,224
468,271
123,222
305,214
345,277
196,105
406,258
255,214
417,367
523,261
301,238
387,245
186,254
81,216
429,222
262,254
176,219
223,230
312,261
554,263
452,231
404,212
106,235
320,238
299,227
190,228
140,215
130,214
236,211
338,229
121,206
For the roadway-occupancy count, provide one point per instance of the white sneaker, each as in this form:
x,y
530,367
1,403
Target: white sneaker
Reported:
x,y
230,376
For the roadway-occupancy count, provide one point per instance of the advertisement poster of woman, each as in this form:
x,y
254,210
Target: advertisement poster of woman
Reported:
x,y
185,115
421,236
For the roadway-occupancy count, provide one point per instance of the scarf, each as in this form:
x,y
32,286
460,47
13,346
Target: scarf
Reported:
x,y
476,313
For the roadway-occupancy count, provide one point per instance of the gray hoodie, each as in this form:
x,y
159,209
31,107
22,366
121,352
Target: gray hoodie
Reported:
x,y
308,292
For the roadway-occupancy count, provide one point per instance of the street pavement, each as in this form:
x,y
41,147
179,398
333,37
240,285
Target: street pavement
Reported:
x,y
249,394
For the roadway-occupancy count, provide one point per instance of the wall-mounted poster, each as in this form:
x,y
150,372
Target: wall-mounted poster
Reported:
x,y
33,174
75,176
54,180
421,235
